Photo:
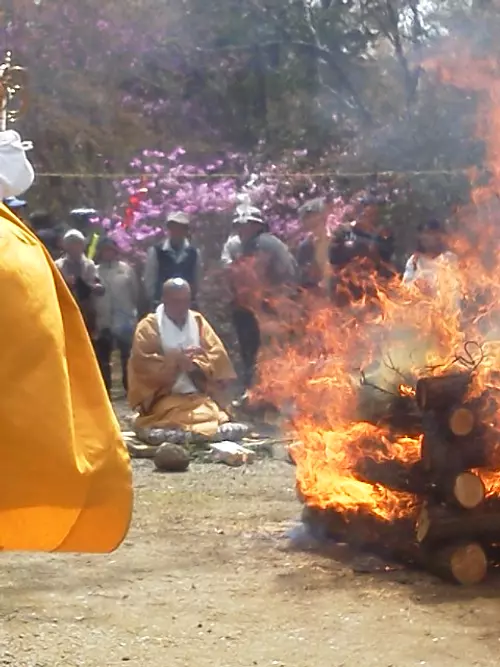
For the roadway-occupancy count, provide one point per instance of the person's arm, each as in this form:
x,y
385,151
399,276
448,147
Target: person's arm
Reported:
x,y
225,257
92,278
275,261
133,285
150,275
211,359
230,250
410,272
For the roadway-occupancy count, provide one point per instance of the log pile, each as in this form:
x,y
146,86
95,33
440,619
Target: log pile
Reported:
x,y
455,526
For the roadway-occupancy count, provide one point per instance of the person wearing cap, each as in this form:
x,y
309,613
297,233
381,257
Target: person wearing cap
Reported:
x,y
432,262
261,274
116,309
83,219
48,231
174,257
65,478
81,276
16,205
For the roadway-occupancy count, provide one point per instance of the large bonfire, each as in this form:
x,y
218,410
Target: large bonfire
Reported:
x,y
359,383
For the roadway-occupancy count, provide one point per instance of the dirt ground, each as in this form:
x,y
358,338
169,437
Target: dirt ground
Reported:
x,y
206,578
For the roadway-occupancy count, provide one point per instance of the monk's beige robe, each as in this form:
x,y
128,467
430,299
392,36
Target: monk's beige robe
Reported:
x,y
65,478
152,375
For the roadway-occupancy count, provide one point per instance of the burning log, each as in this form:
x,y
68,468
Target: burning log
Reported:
x,y
439,524
461,421
442,391
451,534
393,474
461,561
444,454
464,564
466,490
433,451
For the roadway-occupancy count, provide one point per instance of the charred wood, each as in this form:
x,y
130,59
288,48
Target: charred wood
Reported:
x,y
442,391
394,475
444,456
463,561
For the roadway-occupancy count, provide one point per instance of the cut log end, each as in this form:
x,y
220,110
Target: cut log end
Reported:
x,y
466,564
461,422
423,525
439,391
469,490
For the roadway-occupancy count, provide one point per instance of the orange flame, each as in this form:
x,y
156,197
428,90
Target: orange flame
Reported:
x,y
337,371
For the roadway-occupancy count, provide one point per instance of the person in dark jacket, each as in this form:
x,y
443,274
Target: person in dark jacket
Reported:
x,y
17,206
174,257
48,231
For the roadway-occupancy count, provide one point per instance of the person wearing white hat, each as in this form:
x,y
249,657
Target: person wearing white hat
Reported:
x,y
65,477
259,266
173,257
81,276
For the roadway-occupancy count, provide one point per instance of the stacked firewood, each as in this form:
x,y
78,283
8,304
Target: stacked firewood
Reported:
x,y
457,443
454,530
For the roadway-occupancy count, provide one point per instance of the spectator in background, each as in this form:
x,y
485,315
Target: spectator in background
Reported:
x,y
360,263
173,257
80,274
431,251
49,233
260,271
83,219
116,309
312,252
17,206
433,267
231,249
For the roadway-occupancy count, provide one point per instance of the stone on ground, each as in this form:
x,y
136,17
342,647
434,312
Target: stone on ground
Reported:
x,y
171,458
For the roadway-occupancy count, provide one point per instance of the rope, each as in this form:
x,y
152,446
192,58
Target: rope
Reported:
x,y
335,174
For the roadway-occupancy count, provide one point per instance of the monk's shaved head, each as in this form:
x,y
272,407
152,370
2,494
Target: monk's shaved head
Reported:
x,y
176,299
176,285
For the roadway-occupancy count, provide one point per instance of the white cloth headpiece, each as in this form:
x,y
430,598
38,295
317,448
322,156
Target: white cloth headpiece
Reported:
x,y
245,212
16,172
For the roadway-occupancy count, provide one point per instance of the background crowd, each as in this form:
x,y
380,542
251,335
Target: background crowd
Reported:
x,y
343,267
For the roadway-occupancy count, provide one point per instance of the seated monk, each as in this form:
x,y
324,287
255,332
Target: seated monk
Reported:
x,y
177,360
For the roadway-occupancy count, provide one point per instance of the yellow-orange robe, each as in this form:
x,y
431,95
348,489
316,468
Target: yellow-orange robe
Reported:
x,y
65,478
152,374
